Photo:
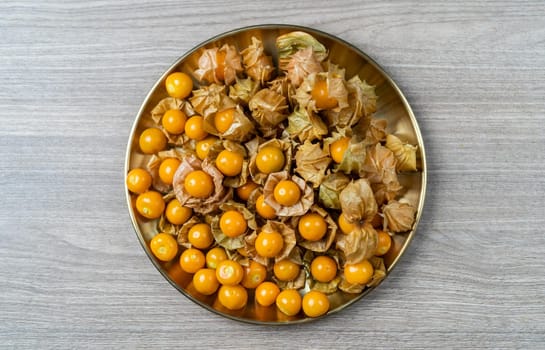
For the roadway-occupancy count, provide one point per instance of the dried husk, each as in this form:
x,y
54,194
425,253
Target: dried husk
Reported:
x,y
331,188
241,129
166,104
326,287
380,168
290,43
306,125
208,63
257,65
183,231
297,283
376,131
199,205
354,156
300,65
311,162
229,243
358,201
241,208
243,90
357,245
323,244
269,108
163,225
169,103
336,89
287,252
153,168
214,151
398,216
282,86
379,271
299,208
211,99
254,146
378,275
362,101
404,153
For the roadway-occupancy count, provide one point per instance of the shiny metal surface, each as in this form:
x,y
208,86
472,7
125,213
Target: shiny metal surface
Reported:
x,y
391,106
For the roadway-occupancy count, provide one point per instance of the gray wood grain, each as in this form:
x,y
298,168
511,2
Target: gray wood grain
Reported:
x,y
73,75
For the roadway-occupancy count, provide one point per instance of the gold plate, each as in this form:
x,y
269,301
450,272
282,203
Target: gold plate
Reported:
x,y
391,105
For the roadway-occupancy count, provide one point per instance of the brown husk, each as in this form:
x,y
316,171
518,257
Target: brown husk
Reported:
x,y
358,201
268,108
306,125
331,188
299,208
201,206
398,216
357,245
241,129
254,146
404,153
311,162
243,90
208,62
215,150
258,65
211,99
323,244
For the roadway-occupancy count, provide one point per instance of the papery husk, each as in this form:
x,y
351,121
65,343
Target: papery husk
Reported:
x,y
243,90
241,208
169,103
380,169
299,208
331,188
257,65
163,106
297,283
211,99
215,150
208,63
288,44
385,192
282,86
254,147
300,65
404,153
357,245
362,101
311,162
199,205
164,226
354,156
183,231
379,271
249,249
242,128
376,131
323,244
229,243
358,201
378,275
398,216
306,125
268,107
326,287
154,163
336,89
287,252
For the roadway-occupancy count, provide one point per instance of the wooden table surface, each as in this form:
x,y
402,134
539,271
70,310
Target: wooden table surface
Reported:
x,y
73,75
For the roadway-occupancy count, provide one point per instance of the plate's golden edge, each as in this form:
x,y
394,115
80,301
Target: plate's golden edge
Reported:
x,y
310,30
